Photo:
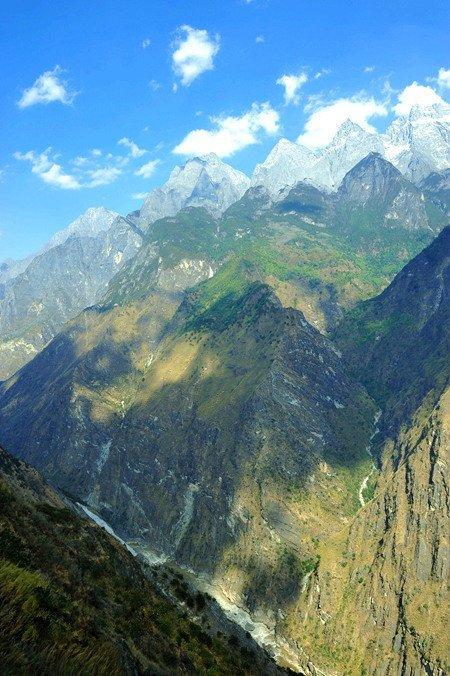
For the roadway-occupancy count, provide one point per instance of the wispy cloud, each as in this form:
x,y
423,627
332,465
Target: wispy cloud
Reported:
x,y
48,170
231,134
133,148
321,73
85,174
146,43
194,53
260,39
139,195
47,88
368,69
292,85
147,169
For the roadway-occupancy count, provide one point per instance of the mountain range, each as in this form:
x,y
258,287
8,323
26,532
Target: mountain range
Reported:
x,y
246,383
85,256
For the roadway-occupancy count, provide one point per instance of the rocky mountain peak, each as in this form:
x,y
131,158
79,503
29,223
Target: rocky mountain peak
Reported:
x,y
419,142
93,221
204,181
371,177
286,164
348,128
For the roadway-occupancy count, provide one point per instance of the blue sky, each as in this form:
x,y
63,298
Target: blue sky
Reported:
x,y
154,71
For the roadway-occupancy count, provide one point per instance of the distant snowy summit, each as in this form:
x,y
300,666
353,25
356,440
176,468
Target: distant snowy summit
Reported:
x,y
416,144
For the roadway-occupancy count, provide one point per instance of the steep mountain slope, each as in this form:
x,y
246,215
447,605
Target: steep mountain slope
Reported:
x,y
437,188
376,213
70,273
74,600
377,602
378,209
201,182
398,343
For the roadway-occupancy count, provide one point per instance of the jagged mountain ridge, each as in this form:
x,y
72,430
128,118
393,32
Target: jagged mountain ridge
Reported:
x,y
35,303
416,144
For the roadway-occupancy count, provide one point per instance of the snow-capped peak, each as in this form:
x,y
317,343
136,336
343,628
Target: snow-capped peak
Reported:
x,y
419,142
286,164
204,181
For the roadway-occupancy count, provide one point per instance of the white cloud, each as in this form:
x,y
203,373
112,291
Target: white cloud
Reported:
x,y
146,43
44,166
231,133
139,195
443,78
48,170
194,53
47,87
326,119
260,39
415,95
147,169
154,85
133,148
368,69
292,85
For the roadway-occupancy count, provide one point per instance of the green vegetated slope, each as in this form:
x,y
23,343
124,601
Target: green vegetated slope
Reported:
x,y
398,343
74,601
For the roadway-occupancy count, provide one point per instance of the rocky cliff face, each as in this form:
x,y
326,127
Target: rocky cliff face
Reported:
x,y
376,603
